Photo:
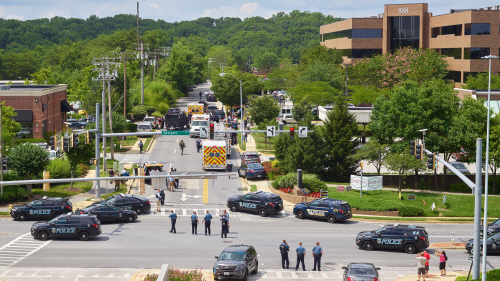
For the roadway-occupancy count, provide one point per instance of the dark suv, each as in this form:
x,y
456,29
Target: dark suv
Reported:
x,y
262,202
67,226
409,238
128,201
330,209
250,157
237,262
41,209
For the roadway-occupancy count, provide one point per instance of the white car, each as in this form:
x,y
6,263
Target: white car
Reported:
x,y
151,120
144,127
288,119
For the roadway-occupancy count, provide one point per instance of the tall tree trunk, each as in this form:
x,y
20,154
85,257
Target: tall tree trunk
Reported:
x,y
399,183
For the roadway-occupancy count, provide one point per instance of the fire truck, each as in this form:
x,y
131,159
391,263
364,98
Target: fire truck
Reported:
x,y
195,108
214,155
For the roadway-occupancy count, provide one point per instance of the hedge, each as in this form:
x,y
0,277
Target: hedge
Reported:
x,y
21,141
140,111
309,181
131,127
411,211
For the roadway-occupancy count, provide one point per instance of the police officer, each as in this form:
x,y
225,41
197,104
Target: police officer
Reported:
x,y
226,215
200,95
158,201
301,252
317,252
225,227
207,219
162,194
198,145
173,218
229,167
284,248
194,223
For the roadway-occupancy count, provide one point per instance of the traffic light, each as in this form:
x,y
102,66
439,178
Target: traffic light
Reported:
x,y
212,131
431,159
292,132
418,152
74,140
412,147
91,136
66,144
52,141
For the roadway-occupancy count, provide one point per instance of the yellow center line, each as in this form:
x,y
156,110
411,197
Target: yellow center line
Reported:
x,y
205,191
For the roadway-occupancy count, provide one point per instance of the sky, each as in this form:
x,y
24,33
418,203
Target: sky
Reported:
x,y
175,11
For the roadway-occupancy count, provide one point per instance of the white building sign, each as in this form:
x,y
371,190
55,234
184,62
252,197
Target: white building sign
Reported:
x,y
369,183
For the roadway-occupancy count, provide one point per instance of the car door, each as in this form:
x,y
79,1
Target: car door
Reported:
x,y
245,202
384,238
48,209
325,208
102,213
313,210
60,226
120,203
35,209
243,169
115,213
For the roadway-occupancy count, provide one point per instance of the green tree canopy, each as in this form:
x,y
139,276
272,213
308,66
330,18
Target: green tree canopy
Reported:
x,y
403,164
28,161
264,108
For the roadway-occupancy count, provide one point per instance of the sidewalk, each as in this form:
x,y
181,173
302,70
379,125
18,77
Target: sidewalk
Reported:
x,y
450,276
139,276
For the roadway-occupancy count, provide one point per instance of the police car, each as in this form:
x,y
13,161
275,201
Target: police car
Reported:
x,y
45,208
264,203
330,209
492,242
236,262
128,201
107,213
409,238
67,226
493,227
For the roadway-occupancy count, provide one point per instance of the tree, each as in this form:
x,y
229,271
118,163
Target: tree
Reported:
x,y
366,95
28,161
227,88
320,53
403,164
323,71
9,127
338,133
317,93
80,154
264,108
179,70
304,153
266,61
373,152
480,81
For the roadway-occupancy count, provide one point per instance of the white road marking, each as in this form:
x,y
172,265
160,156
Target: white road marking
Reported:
x,y
175,150
278,274
20,252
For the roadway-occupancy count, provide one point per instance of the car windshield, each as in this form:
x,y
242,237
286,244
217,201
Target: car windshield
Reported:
x,y
31,203
52,220
362,271
458,165
254,166
110,200
52,154
144,127
497,222
199,123
380,229
494,236
239,256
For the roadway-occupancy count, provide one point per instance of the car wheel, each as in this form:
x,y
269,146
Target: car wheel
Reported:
x,y
300,214
368,245
239,173
331,219
43,235
472,250
21,216
57,214
262,212
410,248
139,211
256,267
245,278
233,208
83,236
130,218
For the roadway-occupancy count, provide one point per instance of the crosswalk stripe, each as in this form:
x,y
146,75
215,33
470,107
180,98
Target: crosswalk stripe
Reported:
x,y
324,274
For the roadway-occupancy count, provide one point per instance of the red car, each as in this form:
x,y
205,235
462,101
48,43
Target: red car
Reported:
x,y
462,155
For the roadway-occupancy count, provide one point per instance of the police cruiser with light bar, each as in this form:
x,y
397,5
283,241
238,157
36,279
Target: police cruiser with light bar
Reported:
x,y
409,238
263,203
325,208
45,208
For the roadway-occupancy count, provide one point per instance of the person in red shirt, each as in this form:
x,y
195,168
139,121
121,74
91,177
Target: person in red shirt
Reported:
x,y
428,257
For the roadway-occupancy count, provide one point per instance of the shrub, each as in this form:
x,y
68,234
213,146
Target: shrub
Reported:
x,y
131,127
270,175
81,169
312,183
411,211
14,193
59,168
47,135
21,141
493,275
460,187
140,111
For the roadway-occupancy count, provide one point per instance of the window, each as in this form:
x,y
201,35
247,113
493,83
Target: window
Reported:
x,y
456,76
365,53
255,198
246,197
467,74
359,33
314,204
324,205
37,204
452,29
455,53
338,34
26,130
61,221
346,53
477,28
475,53
48,203
404,32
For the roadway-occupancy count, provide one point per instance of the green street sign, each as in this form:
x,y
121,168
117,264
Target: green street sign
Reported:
x,y
170,133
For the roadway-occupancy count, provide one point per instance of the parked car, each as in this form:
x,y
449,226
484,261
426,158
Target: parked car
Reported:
x,y
211,109
462,155
252,171
360,271
151,120
288,119
460,167
218,115
90,119
75,124
144,127
211,98
250,157
236,261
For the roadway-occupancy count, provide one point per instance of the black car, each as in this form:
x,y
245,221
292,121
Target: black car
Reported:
x,y
409,238
237,261
107,213
67,226
493,243
211,98
360,271
330,209
262,202
128,201
75,124
493,227
45,208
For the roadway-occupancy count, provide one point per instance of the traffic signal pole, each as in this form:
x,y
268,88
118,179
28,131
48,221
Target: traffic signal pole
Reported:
x,y
97,153
476,260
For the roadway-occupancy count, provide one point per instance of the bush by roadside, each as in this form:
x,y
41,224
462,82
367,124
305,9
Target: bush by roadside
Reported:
x,y
309,181
492,275
178,275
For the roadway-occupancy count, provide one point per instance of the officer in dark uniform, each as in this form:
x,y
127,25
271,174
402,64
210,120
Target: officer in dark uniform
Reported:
x,y
162,194
225,227
207,219
173,218
317,252
284,248
301,252
194,223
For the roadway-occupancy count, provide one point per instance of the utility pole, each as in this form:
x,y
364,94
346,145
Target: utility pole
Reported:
x,y
110,111
124,58
1,144
138,40
140,48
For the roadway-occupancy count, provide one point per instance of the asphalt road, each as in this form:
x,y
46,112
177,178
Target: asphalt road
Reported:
x,y
123,249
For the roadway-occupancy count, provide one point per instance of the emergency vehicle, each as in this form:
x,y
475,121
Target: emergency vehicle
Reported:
x,y
214,155
195,108
198,121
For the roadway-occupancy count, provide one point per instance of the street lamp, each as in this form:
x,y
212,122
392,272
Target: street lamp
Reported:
x,y
485,222
221,65
241,102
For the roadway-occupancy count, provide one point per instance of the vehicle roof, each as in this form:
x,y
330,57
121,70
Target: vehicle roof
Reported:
x,y
144,123
397,225
250,153
214,143
260,192
331,200
235,248
361,265
255,164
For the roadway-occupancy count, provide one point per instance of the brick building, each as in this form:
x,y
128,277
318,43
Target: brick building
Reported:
x,y
40,108
462,36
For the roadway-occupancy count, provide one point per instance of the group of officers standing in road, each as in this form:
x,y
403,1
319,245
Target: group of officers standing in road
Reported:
x,y
207,219
317,252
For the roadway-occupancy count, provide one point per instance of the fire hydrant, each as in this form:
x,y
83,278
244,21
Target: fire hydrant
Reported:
x,y
10,207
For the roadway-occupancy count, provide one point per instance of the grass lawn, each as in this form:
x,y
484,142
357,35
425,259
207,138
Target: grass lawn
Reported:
x,y
253,188
130,141
58,190
146,143
4,214
455,206
123,189
243,146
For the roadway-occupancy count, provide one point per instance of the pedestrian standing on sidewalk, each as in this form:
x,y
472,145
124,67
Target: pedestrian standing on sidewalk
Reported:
x,y
428,257
421,265
317,252
284,248
442,261
173,220
301,252
194,223
140,147
158,201
207,219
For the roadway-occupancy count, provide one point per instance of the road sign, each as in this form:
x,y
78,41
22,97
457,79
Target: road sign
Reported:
x,y
302,132
204,132
169,133
271,131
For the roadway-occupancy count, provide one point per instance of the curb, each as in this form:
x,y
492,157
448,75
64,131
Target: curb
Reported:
x,y
153,140
457,246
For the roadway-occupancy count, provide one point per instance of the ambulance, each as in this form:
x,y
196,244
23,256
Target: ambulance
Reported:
x,y
214,155
195,108
198,121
